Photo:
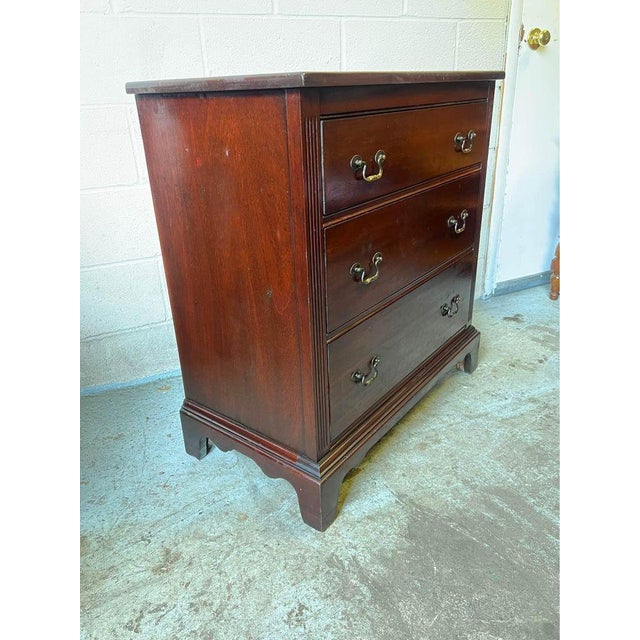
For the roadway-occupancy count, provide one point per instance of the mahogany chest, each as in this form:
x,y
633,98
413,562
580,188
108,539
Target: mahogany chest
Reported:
x,y
319,234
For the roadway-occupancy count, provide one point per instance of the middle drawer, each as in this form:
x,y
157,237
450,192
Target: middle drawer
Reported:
x,y
374,255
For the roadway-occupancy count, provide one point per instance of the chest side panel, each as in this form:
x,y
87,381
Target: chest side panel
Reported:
x,y
220,180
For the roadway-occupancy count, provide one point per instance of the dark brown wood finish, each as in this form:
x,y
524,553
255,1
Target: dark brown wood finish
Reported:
x,y
554,292
418,144
306,79
308,172
253,267
371,98
226,234
413,236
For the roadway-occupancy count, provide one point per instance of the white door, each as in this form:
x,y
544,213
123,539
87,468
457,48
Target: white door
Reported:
x,y
526,230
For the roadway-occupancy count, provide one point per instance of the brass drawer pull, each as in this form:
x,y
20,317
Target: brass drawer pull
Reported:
x,y
453,222
366,379
358,271
450,310
464,143
358,163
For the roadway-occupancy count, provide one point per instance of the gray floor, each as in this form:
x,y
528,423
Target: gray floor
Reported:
x,y
447,531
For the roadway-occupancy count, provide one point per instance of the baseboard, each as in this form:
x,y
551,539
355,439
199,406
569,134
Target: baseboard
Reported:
x,y
92,391
517,284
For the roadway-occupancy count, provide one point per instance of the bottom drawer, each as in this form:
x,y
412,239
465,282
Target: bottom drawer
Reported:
x,y
368,361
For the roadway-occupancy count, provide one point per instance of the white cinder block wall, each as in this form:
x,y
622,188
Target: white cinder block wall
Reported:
x,y
126,327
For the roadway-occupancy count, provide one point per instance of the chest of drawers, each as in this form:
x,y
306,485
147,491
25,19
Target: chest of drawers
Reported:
x,y
319,235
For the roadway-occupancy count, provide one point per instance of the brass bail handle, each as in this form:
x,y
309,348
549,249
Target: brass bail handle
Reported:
x,y
538,38
357,163
358,272
365,379
464,142
455,223
450,310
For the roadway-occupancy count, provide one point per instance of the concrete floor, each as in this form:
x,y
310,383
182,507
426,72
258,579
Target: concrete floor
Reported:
x,y
447,531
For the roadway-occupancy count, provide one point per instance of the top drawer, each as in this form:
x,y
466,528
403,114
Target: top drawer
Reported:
x,y
418,144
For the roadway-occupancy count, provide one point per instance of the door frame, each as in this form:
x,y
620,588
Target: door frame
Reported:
x,y
514,39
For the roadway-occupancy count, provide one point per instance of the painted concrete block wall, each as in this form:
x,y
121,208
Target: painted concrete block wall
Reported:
x,y
126,326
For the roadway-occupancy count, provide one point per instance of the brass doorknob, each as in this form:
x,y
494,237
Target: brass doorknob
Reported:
x,y
538,38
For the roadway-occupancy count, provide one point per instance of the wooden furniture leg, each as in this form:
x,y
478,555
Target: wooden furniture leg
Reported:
x,y
555,275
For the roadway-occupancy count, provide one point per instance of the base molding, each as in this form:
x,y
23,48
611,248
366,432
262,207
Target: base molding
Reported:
x,y
526,282
317,483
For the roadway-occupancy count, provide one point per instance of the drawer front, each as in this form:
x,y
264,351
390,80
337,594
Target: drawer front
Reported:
x,y
401,337
412,237
418,144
